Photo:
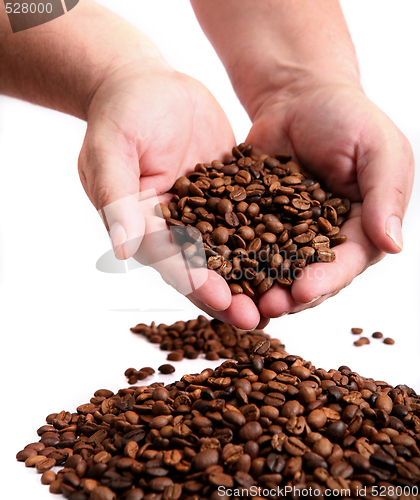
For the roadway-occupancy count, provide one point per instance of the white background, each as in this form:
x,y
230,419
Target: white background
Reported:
x,y
65,326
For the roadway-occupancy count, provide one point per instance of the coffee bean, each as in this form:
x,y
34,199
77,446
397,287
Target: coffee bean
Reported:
x,y
166,369
389,341
384,402
336,431
262,347
377,335
48,477
324,254
102,493
162,211
361,341
205,459
175,356
45,464
357,331
24,454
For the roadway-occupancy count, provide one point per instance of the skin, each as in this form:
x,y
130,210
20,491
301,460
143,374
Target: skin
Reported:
x,y
148,124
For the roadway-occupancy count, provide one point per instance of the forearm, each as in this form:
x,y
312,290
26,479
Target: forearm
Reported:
x,y
272,44
60,64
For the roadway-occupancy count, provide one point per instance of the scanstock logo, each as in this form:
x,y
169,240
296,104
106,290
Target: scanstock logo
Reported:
x,y
26,15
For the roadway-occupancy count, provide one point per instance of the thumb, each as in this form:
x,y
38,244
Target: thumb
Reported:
x,y
385,175
110,176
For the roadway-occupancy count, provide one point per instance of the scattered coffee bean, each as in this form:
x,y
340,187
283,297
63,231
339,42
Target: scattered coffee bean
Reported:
x,y
361,341
188,339
134,375
166,369
389,341
377,335
175,356
256,216
357,331
269,419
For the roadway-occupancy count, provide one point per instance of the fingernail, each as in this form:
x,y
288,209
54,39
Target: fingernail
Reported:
x,y
284,314
214,309
310,302
118,237
314,300
393,229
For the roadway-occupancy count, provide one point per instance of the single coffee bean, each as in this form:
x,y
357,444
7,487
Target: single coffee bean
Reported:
x,y
166,369
389,341
175,356
45,464
24,454
262,347
361,341
377,335
48,477
324,254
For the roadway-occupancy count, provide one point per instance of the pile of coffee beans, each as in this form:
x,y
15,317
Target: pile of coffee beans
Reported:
x,y
375,335
269,425
188,339
261,219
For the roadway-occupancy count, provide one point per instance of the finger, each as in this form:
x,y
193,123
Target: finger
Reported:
x,y
212,289
109,171
264,321
321,279
385,175
161,249
242,312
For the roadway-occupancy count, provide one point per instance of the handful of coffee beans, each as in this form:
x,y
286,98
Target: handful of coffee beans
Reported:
x,y
260,219
267,422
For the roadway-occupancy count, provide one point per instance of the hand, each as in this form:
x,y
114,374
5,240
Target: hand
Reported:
x,y
336,133
146,128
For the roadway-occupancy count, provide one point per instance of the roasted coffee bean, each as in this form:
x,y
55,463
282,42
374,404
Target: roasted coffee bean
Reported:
x,y
48,477
26,453
324,254
166,369
389,341
361,341
377,335
175,356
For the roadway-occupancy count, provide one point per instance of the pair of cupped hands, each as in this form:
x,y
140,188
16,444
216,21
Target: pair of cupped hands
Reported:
x,y
147,129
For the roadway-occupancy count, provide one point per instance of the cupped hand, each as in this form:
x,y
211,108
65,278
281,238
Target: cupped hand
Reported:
x,y
337,134
147,127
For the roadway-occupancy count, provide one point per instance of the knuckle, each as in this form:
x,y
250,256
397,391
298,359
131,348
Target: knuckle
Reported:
x,y
102,196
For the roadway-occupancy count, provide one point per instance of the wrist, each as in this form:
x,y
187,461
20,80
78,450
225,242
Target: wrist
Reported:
x,y
255,85
115,75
